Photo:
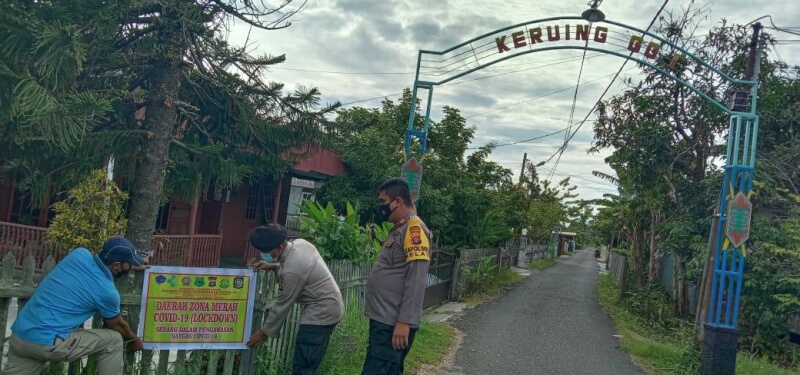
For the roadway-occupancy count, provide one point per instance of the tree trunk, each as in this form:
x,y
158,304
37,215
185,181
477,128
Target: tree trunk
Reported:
x,y
704,298
637,255
610,248
682,300
148,181
655,258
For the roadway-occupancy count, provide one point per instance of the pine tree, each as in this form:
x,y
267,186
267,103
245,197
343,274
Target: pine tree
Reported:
x,y
187,108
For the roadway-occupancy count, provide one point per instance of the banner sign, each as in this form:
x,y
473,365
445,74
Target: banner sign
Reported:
x,y
740,210
190,308
411,171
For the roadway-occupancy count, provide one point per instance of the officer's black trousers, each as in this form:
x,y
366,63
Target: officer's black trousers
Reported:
x,y
310,347
381,358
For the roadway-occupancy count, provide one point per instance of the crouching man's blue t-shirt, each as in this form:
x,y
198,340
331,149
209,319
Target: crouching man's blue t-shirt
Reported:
x,y
77,288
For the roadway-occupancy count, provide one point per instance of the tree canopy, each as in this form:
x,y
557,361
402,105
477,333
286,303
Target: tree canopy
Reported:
x,y
466,199
667,144
154,84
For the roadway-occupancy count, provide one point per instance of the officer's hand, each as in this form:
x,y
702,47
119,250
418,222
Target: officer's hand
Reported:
x,y
400,336
256,339
264,266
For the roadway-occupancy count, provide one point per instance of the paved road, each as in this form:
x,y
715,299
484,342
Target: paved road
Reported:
x,y
549,323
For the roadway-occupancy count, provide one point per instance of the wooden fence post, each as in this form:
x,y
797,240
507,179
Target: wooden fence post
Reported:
x,y
500,254
6,281
624,277
454,277
249,356
351,278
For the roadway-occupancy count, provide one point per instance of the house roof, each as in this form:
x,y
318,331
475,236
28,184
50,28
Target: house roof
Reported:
x,y
322,161
310,175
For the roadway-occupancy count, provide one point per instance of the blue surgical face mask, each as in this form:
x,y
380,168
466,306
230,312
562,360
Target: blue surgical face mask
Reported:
x,y
267,257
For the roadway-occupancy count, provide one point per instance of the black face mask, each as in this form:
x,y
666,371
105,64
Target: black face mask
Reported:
x,y
121,273
382,212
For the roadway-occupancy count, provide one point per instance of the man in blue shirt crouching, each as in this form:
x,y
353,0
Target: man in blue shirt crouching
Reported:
x,y
50,326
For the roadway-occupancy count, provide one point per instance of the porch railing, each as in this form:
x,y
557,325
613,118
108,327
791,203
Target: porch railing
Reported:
x,y
201,250
22,240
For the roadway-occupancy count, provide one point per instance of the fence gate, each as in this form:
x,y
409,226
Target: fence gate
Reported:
x,y
440,274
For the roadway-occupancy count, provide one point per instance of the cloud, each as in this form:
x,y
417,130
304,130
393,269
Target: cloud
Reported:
x,y
358,49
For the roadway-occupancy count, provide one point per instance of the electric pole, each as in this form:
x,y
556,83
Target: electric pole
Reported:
x,y
522,173
704,296
717,334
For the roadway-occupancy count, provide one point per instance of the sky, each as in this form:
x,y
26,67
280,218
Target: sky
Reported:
x,y
365,50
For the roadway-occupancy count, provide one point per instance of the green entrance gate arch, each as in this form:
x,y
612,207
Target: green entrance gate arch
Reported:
x,y
435,68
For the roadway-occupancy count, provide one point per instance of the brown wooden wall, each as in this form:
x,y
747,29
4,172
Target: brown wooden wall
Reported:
x,y
233,226
323,161
5,198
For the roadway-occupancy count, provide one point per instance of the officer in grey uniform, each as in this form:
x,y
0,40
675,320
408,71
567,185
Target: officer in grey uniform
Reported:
x,y
303,277
396,287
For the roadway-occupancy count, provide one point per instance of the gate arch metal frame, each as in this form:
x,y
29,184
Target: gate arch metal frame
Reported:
x,y
743,127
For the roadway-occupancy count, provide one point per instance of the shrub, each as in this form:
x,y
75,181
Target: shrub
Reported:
x,y
652,304
91,213
771,290
336,238
476,277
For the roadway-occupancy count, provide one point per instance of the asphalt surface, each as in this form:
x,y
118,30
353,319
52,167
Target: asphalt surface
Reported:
x,y
549,323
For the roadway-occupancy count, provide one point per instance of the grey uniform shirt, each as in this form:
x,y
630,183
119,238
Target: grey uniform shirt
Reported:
x,y
396,287
304,278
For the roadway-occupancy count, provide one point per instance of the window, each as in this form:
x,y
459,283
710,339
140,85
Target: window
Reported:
x,y
260,202
269,201
252,203
162,220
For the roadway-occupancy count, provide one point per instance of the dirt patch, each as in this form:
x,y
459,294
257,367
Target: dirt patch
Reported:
x,y
447,361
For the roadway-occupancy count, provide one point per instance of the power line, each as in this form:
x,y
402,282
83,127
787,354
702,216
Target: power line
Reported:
x,y
561,60
339,72
775,27
497,109
598,185
554,62
536,97
516,104
522,141
574,102
510,105
564,146
370,99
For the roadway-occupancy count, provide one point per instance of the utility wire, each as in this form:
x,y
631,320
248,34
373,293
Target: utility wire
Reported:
x,y
522,141
564,146
535,97
516,104
581,178
554,62
409,73
572,110
775,27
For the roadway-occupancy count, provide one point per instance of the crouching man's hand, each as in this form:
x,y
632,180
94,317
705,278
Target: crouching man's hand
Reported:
x,y
257,339
135,345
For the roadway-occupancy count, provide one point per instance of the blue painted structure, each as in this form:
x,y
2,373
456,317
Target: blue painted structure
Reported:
x,y
742,138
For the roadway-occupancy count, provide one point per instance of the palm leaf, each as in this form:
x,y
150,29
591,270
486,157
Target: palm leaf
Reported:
x,y
606,177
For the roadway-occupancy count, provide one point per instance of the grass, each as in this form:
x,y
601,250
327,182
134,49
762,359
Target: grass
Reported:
x,y
541,263
491,287
348,346
661,350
